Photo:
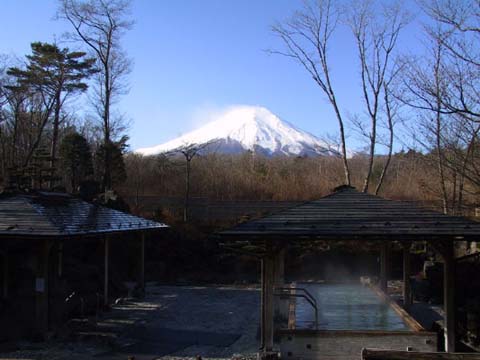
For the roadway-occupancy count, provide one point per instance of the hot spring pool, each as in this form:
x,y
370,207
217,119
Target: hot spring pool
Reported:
x,y
346,307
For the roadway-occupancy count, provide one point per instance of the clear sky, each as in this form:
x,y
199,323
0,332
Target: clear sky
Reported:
x,y
194,57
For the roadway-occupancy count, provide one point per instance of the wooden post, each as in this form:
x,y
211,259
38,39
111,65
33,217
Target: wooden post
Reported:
x,y
281,305
267,330
449,296
384,267
407,297
5,276
141,277
262,303
60,258
41,287
106,270
269,302
280,267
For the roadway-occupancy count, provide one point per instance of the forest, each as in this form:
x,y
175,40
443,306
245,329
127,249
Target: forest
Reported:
x,y
60,127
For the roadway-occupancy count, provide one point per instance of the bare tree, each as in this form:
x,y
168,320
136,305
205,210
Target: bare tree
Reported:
x,y
390,114
425,87
458,25
306,37
143,175
189,152
100,24
444,87
3,116
376,38
459,34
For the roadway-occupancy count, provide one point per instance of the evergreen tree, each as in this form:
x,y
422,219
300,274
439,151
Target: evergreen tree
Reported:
x,y
76,159
114,152
56,74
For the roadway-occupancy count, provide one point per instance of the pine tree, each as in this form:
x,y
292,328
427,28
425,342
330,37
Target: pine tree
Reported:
x,y
76,159
56,74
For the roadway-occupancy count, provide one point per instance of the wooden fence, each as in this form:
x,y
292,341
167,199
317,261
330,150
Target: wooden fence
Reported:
x,y
205,210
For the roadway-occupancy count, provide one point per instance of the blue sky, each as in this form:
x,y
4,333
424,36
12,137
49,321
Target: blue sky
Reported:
x,y
194,57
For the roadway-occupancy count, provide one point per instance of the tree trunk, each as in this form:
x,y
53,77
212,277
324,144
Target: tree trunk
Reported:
x,y
53,149
470,148
366,182
346,169
187,192
38,138
107,176
13,157
454,193
73,180
390,141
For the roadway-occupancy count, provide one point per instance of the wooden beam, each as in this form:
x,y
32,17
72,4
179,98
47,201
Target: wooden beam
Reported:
x,y
41,287
384,266
409,320
449,296
106,270
141,275
377,354
407,294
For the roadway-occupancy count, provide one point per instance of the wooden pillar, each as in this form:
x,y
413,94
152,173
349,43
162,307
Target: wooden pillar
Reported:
x,y
60,258
407,297
262,303
269,303
5,276
268,274
141,275
281,305
280,267
106,270
41,287
449,296
384,266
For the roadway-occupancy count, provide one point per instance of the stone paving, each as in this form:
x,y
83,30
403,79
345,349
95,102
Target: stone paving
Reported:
x,y
172,322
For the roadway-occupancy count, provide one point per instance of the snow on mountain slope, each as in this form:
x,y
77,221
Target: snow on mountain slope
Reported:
x,y
244,128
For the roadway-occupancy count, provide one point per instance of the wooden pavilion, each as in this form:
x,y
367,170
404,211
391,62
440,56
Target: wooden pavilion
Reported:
x,y
41,225
350,215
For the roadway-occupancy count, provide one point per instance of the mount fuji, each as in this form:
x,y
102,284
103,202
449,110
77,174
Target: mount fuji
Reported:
x,y
248,128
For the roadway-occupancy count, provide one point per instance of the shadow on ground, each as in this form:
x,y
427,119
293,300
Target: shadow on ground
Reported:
x,y
189,321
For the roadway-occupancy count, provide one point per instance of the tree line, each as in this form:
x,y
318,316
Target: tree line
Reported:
x,y
249,176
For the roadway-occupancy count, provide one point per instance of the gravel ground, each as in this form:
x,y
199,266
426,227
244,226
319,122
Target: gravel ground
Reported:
x,y
172,322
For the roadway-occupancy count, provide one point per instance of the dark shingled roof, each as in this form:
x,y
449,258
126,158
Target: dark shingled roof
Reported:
x,y
350,214
56,214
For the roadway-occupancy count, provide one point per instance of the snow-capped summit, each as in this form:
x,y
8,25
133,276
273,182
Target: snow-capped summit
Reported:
x,y
254,128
